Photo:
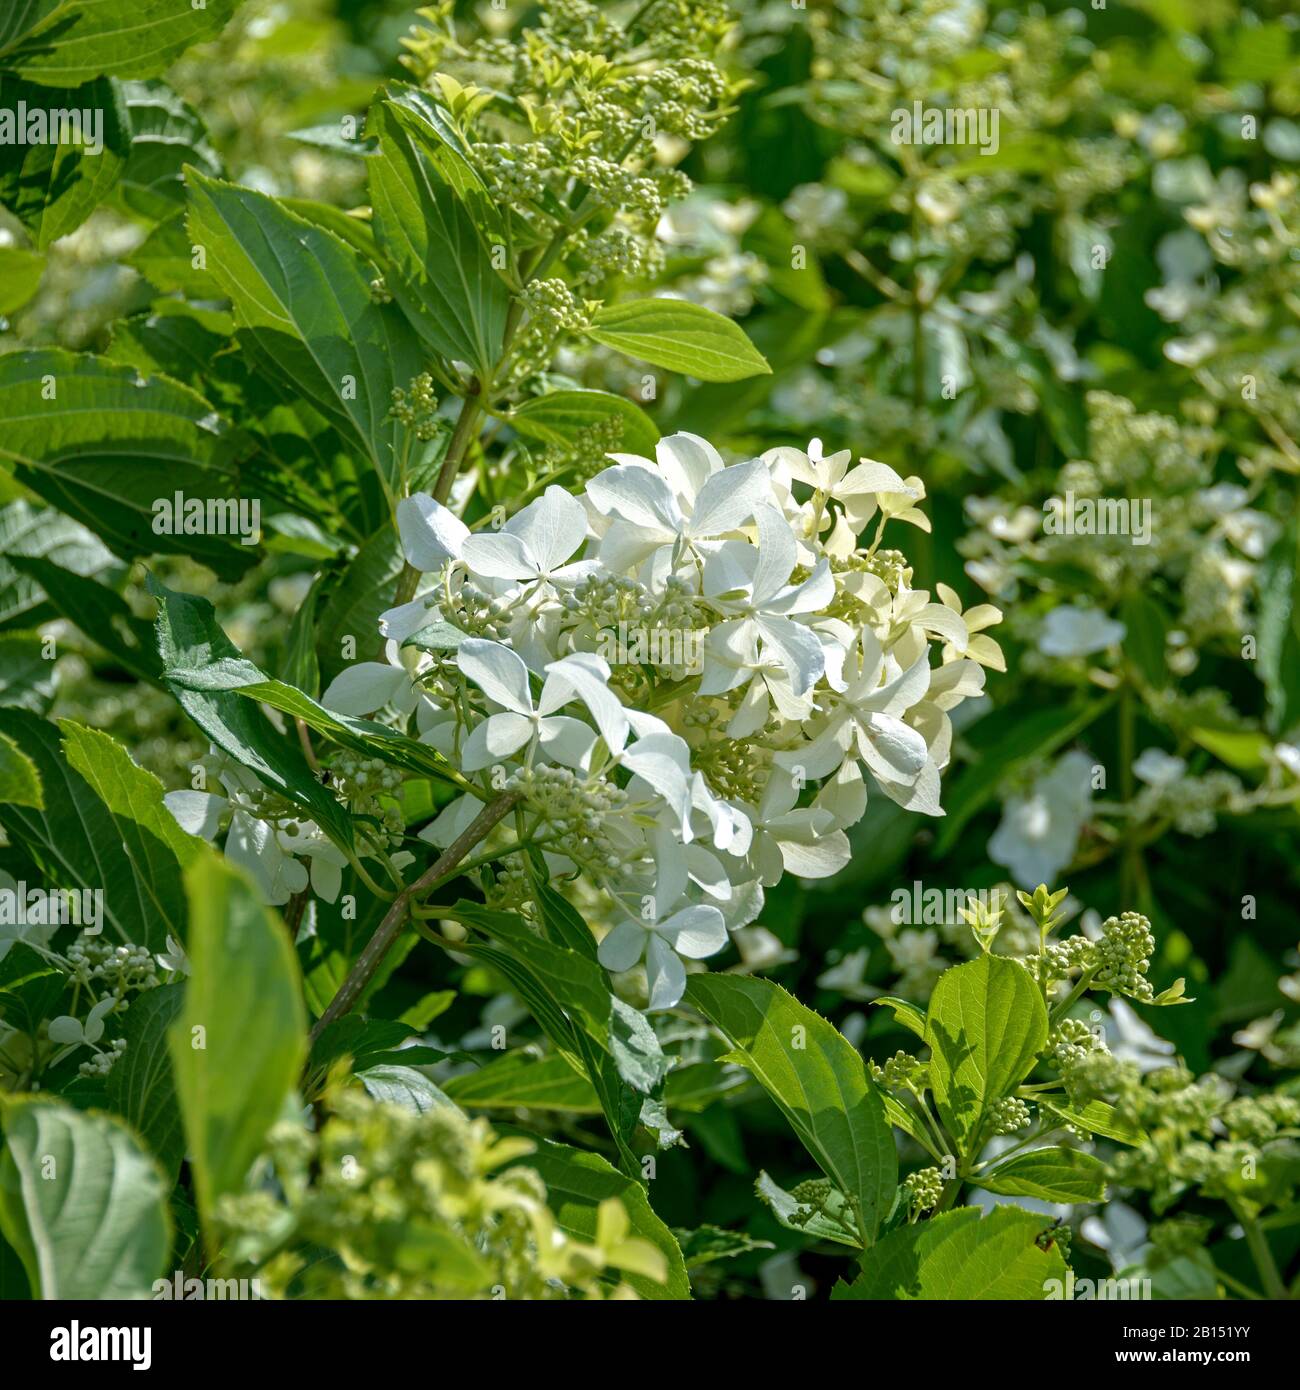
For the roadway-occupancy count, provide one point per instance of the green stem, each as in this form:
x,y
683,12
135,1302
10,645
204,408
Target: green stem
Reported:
x,y
1263,1256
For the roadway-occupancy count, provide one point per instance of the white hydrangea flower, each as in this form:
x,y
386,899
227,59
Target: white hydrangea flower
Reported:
x,y
692,675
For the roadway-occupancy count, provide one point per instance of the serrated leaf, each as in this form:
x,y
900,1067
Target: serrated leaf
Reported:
x,y
907,1014
960,1255
786,1209
1050,1175
679,335
240,1039
986,1025
303,301
81,1202
73,40
392,1084
166,134
816,1078
1097,1117
440,269
20,783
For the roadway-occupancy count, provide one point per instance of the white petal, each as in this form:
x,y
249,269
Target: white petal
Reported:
x,y
567,741
431,533
621,948
586,675
695,932
552,527
729,498
364,688
687,461
498,672
891,749
665,974
638,495
498,555
197,813
494,739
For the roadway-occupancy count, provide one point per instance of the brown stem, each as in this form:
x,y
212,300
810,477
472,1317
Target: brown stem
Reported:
x,y
387,931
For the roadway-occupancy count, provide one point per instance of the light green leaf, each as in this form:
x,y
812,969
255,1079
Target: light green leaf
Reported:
x,y
818,1226
576,1184
907,1014
816,1078
1097,1117
1051,1175
303,301
20,277
986,1025
240,1040
73,40
27,672
557,418
961,1256
102,444
440,269
20,783
522,1078
404,1086
43,533
81,1202
681,336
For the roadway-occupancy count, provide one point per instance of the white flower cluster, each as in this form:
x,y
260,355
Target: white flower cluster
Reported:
x,y
684,673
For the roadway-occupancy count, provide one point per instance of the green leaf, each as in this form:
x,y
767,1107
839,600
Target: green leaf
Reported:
x,y
961,1256
53,184
576,1184
81,1202
404,1086
352,607
190,643
1144,638
818,1226
1051,1175
1097,1117
816,1078
1279,630
140,1086
907,1014
103,445
558,418
521,1078
240,1040
303,302
27,672
166,135
20,277
986,1026
82,845
705,1244
78,39
681,336
20,783
101,613
440,270
43,533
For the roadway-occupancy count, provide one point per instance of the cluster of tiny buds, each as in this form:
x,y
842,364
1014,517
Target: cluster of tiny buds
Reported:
x,y
416,407
102,1062
573,810
369,785
1010,1115
901,1072
553,307
1123,955
924,1188
379,291
1071,1041
119,967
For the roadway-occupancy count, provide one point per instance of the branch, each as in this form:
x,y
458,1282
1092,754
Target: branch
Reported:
x,y
387,931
